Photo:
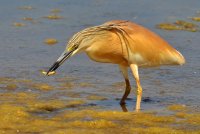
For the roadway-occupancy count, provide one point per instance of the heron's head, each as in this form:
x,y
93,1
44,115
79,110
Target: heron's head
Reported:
x,y
78,42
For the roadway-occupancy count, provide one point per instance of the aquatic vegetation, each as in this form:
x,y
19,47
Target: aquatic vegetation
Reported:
x,y
70,85
22,81
179,25
7,80
56,10
18,98
27,19
195,18
67,85
92,114
4,79
75,103
193,118
23,118
96,97
28,112
38,86
188,26
168,26
51,41
39,125
30,19
151,120
73,94
93,124
39,106
53,17
11,86
66,78
45,105
42,86
180,114
18,24
11,113
85,84
11,118
157,130
26,83
177,107
185,24
127,122
35,85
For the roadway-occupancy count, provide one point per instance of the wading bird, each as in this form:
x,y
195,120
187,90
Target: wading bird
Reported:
x,y
124,43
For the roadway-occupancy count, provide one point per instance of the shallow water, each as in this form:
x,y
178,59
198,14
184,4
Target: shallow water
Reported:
x,y
23,54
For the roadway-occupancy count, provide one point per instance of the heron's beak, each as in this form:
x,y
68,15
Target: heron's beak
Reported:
x,y
64,56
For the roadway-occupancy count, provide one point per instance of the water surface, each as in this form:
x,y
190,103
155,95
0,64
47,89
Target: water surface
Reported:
x,y
23,54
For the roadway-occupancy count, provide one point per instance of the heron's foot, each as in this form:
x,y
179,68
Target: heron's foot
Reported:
x,y
124,108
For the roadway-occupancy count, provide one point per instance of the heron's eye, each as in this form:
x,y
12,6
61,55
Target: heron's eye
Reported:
x,y
75,46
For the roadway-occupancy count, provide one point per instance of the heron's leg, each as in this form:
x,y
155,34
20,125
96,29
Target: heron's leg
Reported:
x,y
134,69
124,71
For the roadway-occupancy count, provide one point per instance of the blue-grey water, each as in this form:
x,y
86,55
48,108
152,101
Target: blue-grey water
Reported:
x,y
23,53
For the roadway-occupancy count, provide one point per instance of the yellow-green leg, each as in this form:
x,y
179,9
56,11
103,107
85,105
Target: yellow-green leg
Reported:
x,y
134,69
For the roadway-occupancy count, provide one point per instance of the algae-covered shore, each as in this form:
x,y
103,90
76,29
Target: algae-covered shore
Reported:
x,y
30,111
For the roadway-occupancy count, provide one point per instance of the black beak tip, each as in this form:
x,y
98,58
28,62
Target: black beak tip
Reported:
x,y
52,69
47,74
61,59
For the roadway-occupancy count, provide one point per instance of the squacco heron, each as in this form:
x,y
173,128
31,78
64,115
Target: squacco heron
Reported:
x,y
126,44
